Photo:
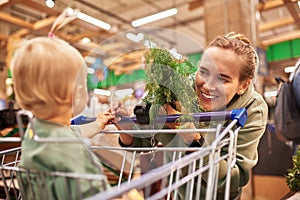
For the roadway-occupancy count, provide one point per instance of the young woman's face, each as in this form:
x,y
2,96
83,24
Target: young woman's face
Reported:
x,y
217,79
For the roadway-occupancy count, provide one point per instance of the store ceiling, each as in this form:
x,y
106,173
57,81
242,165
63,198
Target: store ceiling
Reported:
x,y
278,21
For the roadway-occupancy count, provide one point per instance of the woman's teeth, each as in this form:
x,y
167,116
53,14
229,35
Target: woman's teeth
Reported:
x,y
208,96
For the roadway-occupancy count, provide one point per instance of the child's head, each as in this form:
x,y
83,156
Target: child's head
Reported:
x,y
49,77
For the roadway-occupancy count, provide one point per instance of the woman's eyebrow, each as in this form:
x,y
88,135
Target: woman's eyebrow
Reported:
x,y
202,67
225,76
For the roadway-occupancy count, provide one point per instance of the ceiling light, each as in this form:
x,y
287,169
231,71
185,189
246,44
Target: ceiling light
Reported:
x,y
8,81
90,59
3,1
155,17
50,3
85,40
289,69
71,11
93,21
90,70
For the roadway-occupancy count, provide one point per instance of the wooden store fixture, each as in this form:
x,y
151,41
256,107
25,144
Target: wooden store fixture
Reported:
x,y
278,21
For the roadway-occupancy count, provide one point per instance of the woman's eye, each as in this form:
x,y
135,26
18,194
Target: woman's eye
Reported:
x,y
222,79
203,72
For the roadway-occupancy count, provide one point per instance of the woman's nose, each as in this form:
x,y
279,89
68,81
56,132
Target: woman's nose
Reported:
x,y
209,84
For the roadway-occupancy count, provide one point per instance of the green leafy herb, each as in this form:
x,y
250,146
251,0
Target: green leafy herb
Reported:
x,y
168,81
293,177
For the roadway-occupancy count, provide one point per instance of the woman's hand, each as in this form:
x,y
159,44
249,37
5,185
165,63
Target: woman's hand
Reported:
x,y
187,137
119,111
171,111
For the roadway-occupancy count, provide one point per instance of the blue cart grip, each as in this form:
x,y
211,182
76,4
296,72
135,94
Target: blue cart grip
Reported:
x,y
82,120
240,115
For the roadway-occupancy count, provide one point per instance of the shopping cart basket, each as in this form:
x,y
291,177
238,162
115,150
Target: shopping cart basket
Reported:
x,y
182,172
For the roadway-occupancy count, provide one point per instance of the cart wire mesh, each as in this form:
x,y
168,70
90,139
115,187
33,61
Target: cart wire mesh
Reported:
x,y
182,177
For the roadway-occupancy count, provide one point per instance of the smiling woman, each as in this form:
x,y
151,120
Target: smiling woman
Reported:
x,y
224,81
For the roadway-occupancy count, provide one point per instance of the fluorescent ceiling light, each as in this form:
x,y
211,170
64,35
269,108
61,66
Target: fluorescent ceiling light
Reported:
x,y
90,70
50,3
90,59
85,40
8,81
93,21
3,2
155,17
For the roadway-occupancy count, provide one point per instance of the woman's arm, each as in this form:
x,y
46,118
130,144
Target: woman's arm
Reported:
x,y
125,139
187,137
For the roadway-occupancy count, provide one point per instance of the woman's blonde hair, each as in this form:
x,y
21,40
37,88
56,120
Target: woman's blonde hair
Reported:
x,y
44,73
240,45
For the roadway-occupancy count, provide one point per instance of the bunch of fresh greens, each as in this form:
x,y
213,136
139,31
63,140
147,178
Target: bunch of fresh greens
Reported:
x,y
168,82
293,177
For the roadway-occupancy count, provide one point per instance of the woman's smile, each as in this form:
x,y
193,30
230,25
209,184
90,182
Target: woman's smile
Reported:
x,y
208,97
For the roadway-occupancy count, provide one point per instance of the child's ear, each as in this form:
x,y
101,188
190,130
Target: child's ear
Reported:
x,y
79,99
243,87
80,96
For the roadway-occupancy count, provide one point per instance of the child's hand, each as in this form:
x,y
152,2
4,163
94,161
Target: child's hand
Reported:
x,y
104,119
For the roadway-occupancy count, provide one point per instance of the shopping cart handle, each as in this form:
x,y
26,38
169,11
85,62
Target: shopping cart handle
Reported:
x,y
240,115
82,120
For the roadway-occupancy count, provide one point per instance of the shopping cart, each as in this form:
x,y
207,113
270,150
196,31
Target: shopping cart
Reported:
x,y
183,176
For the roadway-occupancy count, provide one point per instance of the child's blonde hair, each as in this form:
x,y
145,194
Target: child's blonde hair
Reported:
x,y
45,71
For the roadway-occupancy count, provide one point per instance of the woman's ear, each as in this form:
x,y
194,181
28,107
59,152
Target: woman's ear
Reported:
x,y
243,87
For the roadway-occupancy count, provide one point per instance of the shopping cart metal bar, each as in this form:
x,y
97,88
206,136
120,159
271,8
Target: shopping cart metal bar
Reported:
x,y
10,157
231,158
165,131
11,139
203,160
70,182
239,114
212,169
162,173
145,149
